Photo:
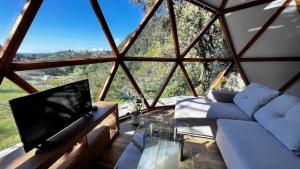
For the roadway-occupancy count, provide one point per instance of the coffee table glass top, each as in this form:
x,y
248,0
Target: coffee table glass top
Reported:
x,y
161,146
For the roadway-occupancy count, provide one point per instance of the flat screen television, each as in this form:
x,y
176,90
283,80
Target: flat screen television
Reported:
x,y
41,115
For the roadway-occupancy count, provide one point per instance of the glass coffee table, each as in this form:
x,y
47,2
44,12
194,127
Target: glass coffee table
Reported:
x,y
161,146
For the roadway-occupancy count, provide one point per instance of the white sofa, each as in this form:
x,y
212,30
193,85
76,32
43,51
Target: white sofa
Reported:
x,y
256,128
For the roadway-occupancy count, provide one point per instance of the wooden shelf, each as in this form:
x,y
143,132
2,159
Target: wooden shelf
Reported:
x,y
66,140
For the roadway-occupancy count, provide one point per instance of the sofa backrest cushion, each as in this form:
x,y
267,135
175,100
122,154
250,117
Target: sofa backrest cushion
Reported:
x,y
281,117
225,96
254,97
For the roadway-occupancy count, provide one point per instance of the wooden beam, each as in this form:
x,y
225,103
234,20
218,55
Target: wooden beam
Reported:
x,y
1,78
1,71
141,27
1,65
207,59
290,82
163,86
134,84
188,79
149,59
205,5
33,65
223,5
232,49
246,5
200,35
269,59
221,77
298,5
19,30
20,82
105,27
264,28
174,28
108,81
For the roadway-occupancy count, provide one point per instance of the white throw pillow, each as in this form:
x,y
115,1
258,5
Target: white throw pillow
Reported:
x,y
254,97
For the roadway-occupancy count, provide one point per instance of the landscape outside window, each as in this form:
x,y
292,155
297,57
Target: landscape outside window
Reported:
x,y
8,132
56,35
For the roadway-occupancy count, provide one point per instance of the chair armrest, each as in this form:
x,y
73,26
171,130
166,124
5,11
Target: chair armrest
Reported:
x,y
224,96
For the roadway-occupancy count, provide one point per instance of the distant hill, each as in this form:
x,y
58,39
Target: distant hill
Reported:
x,y
61,55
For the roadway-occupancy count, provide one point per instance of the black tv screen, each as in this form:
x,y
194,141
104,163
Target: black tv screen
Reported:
x,y
40,116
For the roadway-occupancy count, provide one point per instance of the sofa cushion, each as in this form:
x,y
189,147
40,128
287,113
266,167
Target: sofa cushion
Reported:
x,y
200,114
247,145
193,111
224,96
282,118
191,107
219,110
199,108
254,97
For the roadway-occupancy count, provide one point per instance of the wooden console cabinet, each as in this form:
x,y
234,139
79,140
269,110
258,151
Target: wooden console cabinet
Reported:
x,y
78,145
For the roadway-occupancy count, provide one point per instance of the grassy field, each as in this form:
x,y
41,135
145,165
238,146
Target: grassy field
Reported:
x,y
8,132
9,135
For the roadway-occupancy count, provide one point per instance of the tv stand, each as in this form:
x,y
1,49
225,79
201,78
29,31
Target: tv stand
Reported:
x,y
78,145
48,145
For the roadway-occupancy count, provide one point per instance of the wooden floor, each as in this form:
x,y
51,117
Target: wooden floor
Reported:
x,y
205,151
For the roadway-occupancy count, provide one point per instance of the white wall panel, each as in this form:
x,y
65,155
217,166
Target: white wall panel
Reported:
x,y
244,24
232,3
294,89
281,39
272,74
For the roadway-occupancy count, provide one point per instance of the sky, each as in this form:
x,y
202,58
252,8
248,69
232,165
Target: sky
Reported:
x,y
70,24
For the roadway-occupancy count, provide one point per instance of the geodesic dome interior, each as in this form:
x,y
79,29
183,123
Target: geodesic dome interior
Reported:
x,y
262,38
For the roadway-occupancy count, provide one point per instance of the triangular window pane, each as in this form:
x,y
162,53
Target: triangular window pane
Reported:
x,y
149,76
9,13
204,74
121,91
212,45
123,18
177,86
43,79
60,31
233,81
9,134
190,20
156,38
